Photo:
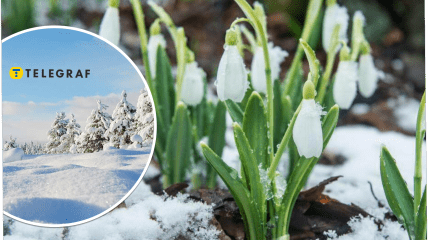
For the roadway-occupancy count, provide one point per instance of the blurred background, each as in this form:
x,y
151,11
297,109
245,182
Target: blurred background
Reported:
x,y
394,28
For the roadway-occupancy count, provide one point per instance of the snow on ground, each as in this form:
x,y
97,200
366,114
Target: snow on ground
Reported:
x,y
66,188
360,145
405,111
147,216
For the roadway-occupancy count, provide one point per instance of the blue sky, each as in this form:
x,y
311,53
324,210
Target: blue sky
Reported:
x,y
64,49
30,104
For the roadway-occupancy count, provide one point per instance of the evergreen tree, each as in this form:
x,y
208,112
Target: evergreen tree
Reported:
x,y
93,139
144,118
68,139
59,128
11,144
120,130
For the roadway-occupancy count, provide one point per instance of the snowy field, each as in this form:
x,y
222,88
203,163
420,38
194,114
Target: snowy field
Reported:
x,y
66,188
360,145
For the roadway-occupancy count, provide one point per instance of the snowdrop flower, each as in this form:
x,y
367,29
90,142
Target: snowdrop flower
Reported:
x,y
368,75
156,39
307,131
110,25
258,74
231,74
345,84
334,14
192,88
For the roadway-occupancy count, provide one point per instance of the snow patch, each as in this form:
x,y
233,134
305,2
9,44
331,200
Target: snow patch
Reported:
x,y
12,155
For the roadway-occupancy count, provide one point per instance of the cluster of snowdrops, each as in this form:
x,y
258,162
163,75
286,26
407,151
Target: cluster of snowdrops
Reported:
x,y
271,117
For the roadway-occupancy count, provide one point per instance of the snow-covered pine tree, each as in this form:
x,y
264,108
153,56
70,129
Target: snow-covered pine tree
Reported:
x,y
121,129
11,144
59,128
68,139
93,139
144,119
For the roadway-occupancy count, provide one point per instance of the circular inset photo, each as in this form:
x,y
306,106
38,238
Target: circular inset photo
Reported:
x,y
79,126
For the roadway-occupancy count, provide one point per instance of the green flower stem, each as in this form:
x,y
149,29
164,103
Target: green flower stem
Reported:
x,y
331,55
139,18
311,16
357,37
180,41
250,38
420,132
283,145
260,30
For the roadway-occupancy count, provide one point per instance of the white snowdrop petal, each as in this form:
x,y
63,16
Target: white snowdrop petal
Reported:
x,y
258,74
192,89
231,75
345,84
367,76
334,14
152,47
307,131
110,25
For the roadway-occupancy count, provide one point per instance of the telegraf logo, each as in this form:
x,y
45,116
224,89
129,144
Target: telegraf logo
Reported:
x,y
18,73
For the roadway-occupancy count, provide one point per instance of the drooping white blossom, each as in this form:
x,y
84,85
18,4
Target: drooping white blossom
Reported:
x,y
258,74
231,75
334,14
192,88
110,25
152,47
307,131
368,76
345,84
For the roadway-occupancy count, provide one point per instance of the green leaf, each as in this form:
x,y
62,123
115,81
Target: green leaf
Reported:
x,y
329,124
164,86
179,145
251,168
216,139
239,192
421,218
235,111
399,199
314,64
255,128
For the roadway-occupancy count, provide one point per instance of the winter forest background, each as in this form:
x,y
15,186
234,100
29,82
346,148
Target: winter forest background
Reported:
x,y
127,127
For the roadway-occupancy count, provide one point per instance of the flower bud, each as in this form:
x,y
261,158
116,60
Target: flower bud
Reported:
x,y
345,84
309,90
367,76
192,88
152,47
258,73
334,14
231,75
307,131
231,37
110,25
155,28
